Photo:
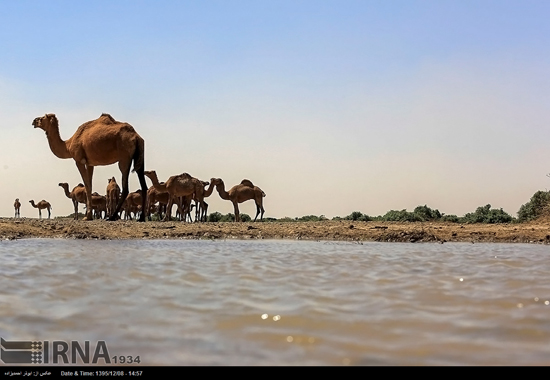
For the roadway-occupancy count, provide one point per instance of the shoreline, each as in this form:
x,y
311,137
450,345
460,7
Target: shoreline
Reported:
x,y
354,231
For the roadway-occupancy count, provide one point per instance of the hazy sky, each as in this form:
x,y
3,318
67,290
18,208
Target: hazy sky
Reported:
x,y
329,106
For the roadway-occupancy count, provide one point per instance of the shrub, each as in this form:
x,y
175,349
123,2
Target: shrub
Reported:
x,y
401,216
484,214
450,218
425,213
533,209
356,216
215,217
309,218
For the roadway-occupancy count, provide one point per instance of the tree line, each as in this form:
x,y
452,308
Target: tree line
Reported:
x,y
483,214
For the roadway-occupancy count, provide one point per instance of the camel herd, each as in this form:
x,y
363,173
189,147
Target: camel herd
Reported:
x,y
105,141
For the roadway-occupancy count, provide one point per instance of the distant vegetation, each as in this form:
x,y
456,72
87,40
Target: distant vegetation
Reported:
x,y
534,208
483,214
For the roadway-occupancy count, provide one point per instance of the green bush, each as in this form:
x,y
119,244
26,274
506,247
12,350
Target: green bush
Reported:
x,y
401,216
425,213
484,214
215,217
356,216
450,218
532,209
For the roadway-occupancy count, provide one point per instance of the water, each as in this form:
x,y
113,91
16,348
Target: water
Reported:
x,y
190,302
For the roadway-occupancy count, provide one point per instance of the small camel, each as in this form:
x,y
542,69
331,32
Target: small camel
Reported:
x,y
241,193
154,196
99,204
176,186
99,142
133,204
77,195
40,206
113,195
17,206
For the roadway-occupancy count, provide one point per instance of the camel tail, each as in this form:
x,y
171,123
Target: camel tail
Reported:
x,y
263,194
139,156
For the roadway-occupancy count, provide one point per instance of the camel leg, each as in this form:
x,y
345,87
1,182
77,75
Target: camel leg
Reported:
x,y
168,214
144,189
257,212
259,209
125,170
49,213
75,204
236,208
86,172
204,211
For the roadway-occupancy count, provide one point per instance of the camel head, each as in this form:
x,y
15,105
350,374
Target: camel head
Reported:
x,y
64,185
150,173
216,181
46,122
17,199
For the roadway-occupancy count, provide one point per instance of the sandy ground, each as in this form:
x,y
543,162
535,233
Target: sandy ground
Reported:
x,y
536,232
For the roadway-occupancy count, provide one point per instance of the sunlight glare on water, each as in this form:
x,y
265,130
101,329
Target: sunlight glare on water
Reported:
x,y
189,302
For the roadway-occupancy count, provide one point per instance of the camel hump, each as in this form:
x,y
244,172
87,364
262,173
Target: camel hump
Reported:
x,y
186,175
247,182
107,117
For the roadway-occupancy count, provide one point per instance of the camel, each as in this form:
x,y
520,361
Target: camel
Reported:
x,y
77,195
241,193
176,186
99,204
154,196
201,206
99,142
133,204
113,195
40,206
17,206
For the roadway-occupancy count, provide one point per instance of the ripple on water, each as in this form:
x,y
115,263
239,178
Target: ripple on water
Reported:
x,y
282,302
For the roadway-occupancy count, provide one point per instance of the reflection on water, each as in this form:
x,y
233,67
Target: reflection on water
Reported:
x,y
282,302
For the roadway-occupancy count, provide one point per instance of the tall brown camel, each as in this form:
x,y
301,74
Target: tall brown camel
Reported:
x,y
99,142
176,186
77,195
241,193
113,195
40,206
17,206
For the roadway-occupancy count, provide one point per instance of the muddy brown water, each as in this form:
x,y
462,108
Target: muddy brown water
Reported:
x,y
276,302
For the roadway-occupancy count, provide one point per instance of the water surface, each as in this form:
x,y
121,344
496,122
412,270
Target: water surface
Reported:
x,y
187,302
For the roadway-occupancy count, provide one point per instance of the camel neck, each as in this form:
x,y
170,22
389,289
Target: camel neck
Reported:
x,y
208,191
67,194
221,190
57,145
156,185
